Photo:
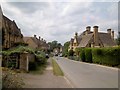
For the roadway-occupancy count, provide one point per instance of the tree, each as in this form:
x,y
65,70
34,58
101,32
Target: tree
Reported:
x,y
65,48
53,45
118,39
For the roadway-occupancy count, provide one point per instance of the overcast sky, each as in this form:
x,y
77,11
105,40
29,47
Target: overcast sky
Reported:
x,y
60,20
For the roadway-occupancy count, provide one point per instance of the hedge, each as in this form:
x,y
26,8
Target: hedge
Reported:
x,y
88,55
82,54
105,56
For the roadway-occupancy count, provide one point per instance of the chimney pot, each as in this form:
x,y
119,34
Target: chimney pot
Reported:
x,y
88,30
95,27
39,37
35,36
112,35
109,31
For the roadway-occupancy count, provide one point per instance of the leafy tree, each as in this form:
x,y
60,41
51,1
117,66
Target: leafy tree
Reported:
x,y
54,44
65,48
118,39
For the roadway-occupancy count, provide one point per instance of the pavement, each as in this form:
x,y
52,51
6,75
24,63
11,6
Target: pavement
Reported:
x,y
46,80
85,75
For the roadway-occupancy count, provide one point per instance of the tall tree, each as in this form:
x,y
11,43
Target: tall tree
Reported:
x,y
65,48
54,44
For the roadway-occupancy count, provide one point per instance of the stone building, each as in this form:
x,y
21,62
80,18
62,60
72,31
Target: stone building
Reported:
x,y
93,39
36,43
11,34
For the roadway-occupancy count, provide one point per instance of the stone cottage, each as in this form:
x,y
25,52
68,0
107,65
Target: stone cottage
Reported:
x,y
11,34
36,43
93,39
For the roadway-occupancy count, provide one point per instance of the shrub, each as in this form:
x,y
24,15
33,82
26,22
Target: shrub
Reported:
x,y
82,55
88,55
107,56
11,79
70,53
32,65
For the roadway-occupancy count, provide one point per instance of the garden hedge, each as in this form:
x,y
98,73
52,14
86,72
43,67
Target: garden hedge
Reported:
x,y
88,55
105,56
82,54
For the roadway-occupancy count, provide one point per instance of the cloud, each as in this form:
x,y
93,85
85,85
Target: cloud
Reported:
x,y
60,20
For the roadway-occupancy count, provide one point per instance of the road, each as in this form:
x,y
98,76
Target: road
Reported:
x,y
84,75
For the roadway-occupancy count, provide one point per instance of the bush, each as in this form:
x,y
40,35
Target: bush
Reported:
x,y
107,56
11,79
88,55
32,65
70,53
82,55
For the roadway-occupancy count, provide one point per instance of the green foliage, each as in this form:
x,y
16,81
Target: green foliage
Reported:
x,y
107,56
88,55
65,49
82,54
41,57
20,44
118,39
70,53
19,49
56,69
11,79
53,45
32,65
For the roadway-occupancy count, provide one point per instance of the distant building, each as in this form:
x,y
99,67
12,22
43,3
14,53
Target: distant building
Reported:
x,y
11,34
36,43
93,39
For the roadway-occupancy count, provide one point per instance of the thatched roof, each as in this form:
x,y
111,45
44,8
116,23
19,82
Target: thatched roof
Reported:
x,y
85,39
106,39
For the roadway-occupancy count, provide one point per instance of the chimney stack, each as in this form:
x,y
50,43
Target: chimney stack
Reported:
x,y
39,37
42,39
35,36
96,41
88,30
112,35
109,31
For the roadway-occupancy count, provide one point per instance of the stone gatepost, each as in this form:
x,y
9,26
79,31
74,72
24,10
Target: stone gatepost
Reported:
x,y
24,61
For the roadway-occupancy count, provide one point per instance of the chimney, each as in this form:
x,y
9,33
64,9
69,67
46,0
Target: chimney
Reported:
x,y
96,41
112,35
88,30
76,34
35,36
39,37
109,31
42,39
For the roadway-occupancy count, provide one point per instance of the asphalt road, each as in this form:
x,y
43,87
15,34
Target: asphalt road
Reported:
x,y
84,75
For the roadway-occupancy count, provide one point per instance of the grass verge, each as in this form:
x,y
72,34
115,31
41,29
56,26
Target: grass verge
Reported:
x,y
56,69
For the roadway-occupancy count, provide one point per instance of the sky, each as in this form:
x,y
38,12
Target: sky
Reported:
x,y
59,20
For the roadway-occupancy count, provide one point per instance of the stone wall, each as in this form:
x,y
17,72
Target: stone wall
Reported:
x,y
25,58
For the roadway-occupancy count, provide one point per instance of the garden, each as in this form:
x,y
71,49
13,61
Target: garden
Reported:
x,y
11,64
